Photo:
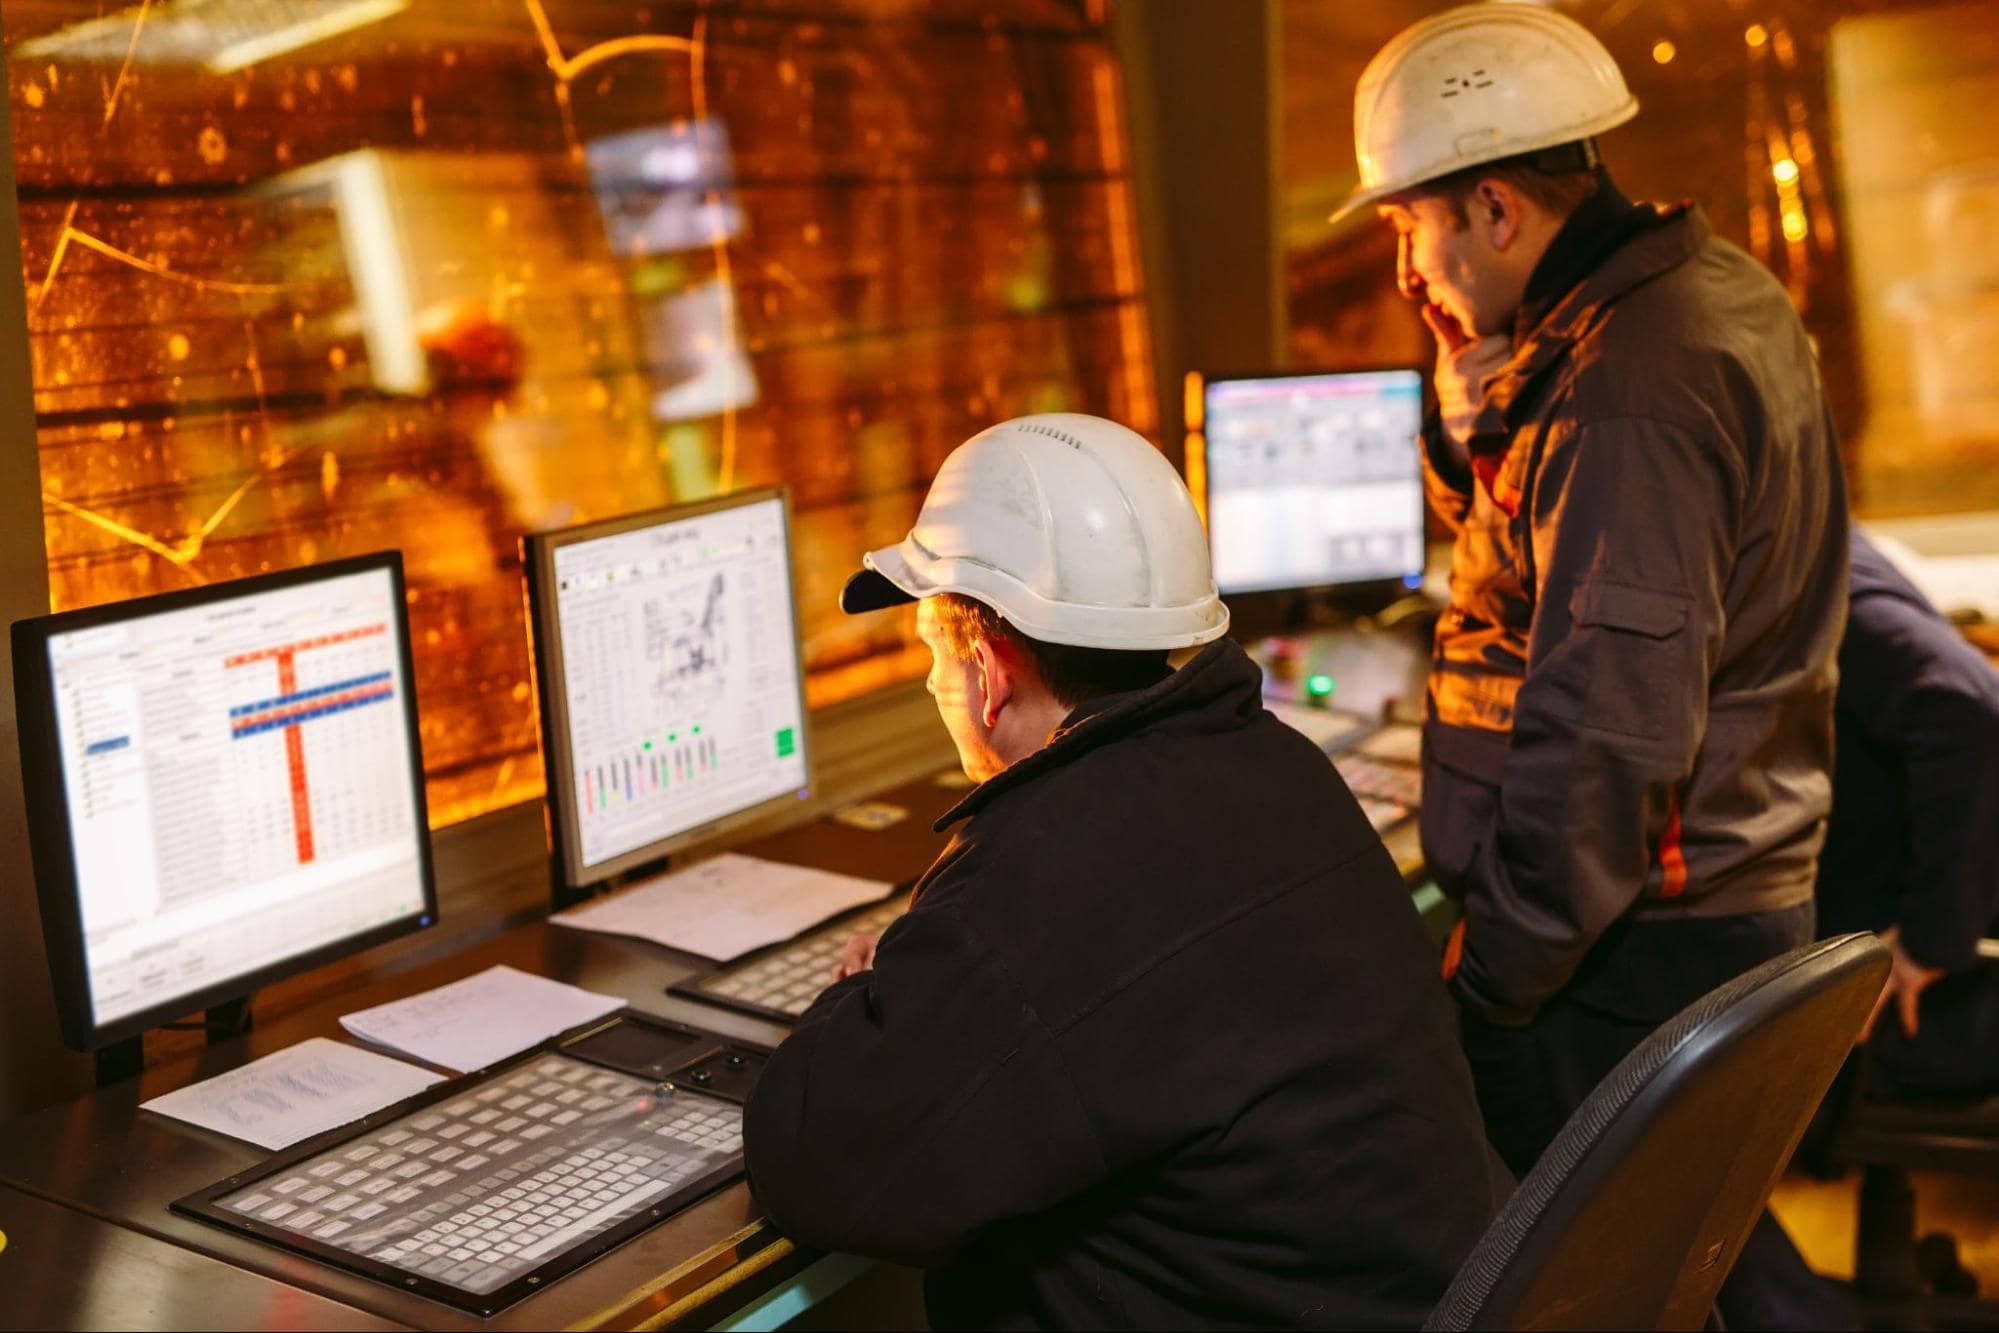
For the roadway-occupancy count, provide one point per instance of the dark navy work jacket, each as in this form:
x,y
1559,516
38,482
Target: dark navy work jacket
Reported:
x,y
1914,837
1160,1044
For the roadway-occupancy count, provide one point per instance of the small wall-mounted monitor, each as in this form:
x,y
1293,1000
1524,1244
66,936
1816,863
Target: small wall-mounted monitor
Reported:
x,y
1315,480
672,694
224,788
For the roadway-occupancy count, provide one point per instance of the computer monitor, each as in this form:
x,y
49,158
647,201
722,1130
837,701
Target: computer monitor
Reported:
x,y
672,699
224,788
1314,480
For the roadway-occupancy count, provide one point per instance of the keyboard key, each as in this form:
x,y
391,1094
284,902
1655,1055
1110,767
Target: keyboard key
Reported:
x,y
282,1210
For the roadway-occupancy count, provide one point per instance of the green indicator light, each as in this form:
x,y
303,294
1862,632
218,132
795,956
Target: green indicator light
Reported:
x,y
672,736
787,741
1319,686
697,731
648,745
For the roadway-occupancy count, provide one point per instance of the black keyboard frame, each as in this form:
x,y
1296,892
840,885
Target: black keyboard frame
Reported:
x,y
201,1204
691,989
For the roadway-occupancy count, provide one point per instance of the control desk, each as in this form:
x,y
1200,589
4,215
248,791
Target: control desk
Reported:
x,y
85,1187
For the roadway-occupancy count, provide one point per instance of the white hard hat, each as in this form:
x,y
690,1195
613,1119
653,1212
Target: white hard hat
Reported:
x,y
1475,84
1072,527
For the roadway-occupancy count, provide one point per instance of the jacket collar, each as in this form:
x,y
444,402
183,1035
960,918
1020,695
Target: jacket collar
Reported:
x,y
1219,689
1665,240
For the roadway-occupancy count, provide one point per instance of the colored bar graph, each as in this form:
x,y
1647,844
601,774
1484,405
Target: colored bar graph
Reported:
x,y
292,707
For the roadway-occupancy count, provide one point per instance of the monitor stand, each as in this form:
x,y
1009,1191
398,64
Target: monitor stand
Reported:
x,y
127,1059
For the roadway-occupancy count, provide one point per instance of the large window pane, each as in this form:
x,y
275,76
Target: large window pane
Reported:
x,y
313,277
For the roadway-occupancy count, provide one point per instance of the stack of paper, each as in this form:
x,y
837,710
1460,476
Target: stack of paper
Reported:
x,y
726,906
301,1091
481,1020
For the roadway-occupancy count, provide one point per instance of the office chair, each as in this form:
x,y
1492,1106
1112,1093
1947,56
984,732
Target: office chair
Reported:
x,y
1894,1271
1638,1209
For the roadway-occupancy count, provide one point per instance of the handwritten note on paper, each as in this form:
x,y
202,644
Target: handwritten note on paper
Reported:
x,y
481,1020
300,1091
726,906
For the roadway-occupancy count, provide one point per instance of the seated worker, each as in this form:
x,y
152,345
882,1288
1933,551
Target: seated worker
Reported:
x,y
1912,847
1160,1042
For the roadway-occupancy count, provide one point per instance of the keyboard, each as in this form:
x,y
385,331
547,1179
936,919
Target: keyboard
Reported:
x,y
487,1191
784,980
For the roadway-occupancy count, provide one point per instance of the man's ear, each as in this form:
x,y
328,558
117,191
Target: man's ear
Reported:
x,y
997,679
1495,207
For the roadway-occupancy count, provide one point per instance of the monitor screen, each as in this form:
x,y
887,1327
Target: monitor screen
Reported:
x,y
672,696
231,788
1314,480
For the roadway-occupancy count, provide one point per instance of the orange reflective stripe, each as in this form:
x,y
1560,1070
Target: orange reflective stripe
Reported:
x,y
1672,859
1454,950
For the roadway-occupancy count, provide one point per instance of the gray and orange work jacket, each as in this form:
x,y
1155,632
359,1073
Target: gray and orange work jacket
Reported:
x,y
1631,692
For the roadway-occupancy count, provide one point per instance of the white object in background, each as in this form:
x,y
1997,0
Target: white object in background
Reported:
x,y
296,1093
481,1020
726,906
1959,572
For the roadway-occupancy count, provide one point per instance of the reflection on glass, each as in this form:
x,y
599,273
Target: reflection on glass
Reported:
x,y
313,277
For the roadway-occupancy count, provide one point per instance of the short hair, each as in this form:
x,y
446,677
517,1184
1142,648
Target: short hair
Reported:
x,y
1071,674
1557,179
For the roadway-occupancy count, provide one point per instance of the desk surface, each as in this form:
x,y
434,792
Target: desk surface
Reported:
x,y
62,1268
113,1168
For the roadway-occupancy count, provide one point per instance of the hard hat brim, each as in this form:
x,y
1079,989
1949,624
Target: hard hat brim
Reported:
x,y
871,590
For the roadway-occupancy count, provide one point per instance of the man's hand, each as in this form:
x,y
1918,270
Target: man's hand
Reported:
x,y
1462,365
1907,980
858,956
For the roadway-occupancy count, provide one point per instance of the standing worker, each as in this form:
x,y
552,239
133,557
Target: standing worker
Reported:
x,y
1629,735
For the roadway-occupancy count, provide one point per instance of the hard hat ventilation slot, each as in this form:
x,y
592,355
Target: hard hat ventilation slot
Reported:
x,y
1456,84
1038,429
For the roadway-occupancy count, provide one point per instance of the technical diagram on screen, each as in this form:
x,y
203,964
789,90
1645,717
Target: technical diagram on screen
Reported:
x,y
672,697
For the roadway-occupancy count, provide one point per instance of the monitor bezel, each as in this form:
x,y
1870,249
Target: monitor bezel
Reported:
x,y
51,848
551,689
1382,582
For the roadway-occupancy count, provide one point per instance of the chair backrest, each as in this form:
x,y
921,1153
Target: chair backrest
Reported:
x,y
1636,1212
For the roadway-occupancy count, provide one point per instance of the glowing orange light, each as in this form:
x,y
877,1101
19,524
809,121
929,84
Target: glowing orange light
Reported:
x,y
1663,52
1756,35
1785,171
1795,226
